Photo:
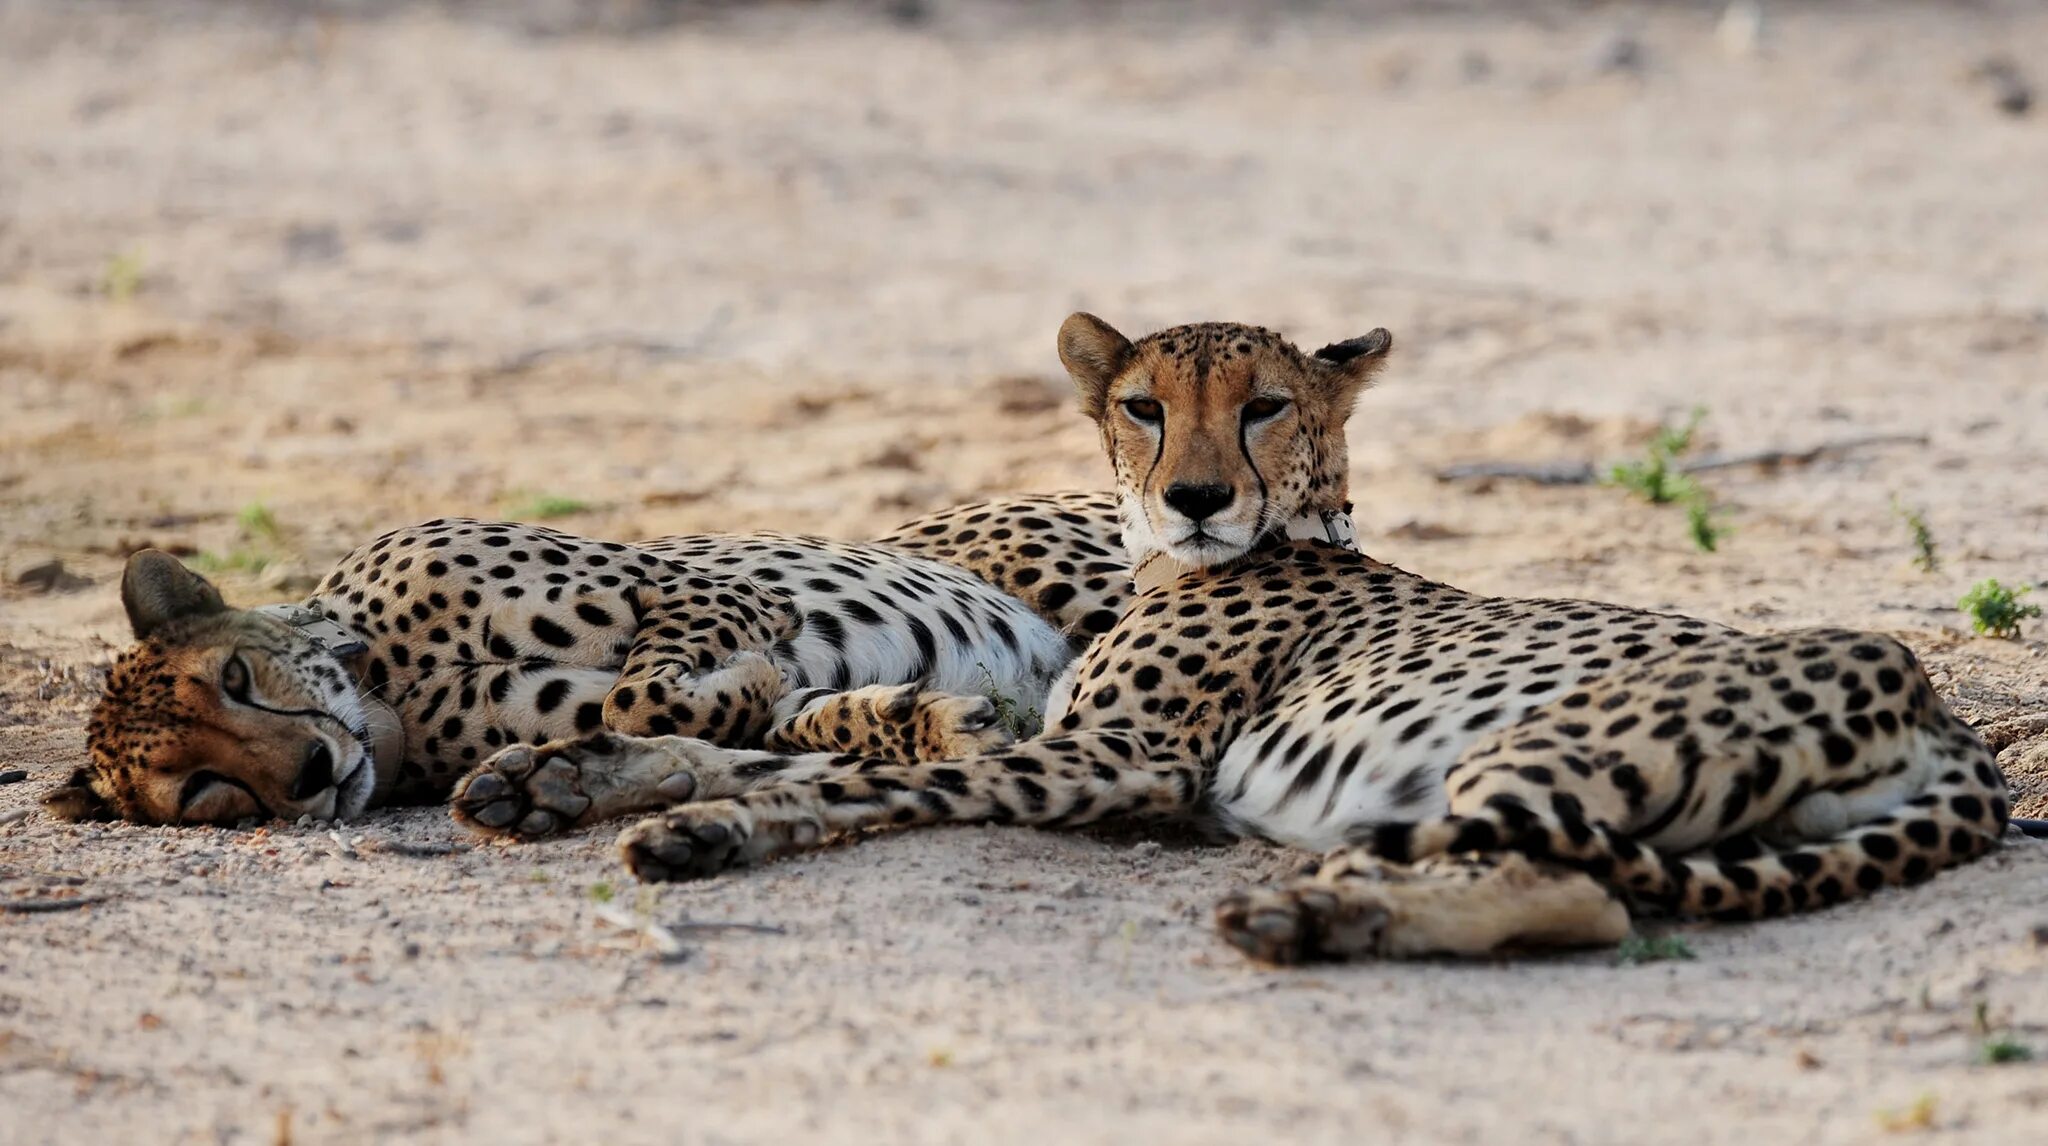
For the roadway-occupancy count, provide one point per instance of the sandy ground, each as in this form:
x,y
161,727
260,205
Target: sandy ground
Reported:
x,y
801,268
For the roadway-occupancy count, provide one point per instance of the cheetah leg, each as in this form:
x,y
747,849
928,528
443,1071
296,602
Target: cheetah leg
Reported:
x,y
1359,906
1074,779
1906,789
571,783
900,723
697,668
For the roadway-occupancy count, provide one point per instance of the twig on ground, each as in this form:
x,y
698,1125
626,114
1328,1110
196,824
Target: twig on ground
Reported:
x,y
1587,473
688,926
44,906
414,851
527,359
667,947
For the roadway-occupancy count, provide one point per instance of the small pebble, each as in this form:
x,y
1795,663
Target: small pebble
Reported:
x,y
13,776
2010,91
1618,53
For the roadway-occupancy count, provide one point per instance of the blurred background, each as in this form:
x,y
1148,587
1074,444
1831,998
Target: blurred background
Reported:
x,y
275,277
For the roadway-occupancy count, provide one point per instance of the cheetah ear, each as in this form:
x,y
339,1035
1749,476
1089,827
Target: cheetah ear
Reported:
x,y
1094,354
1353,362
157,589
77,800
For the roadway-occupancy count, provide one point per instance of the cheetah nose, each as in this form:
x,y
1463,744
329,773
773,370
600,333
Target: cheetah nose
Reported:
x,y
316,774
1199,502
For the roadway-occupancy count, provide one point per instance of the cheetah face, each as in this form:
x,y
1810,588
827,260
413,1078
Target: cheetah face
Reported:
x,y
1220,434
219,715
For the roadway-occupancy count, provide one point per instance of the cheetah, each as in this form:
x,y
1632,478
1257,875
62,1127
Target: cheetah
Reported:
x,y
436,646
1484,771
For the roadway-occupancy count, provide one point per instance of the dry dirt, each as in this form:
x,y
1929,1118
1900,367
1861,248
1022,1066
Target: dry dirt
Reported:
x,y
800,267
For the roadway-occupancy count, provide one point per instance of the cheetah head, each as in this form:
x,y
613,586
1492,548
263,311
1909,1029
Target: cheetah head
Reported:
x,y
220,714
1220,434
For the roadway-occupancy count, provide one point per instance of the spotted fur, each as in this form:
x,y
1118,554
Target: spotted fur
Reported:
x,y
1048,551
1305,693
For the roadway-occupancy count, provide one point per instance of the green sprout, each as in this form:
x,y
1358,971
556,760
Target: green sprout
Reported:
x,y
258,523
1637,950
601,892
1924,554
544,506
1997,1050
1706,533
258,546
1654,479
240,559
1023,720
122,276
1919,1116
1658,480
2002,1050
1996,611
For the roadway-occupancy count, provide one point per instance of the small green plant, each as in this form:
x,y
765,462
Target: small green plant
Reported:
x,y
122,276
1995,610
1706,533
259,544
240,559
1924,554
601,892
258,523
1638,949
2002,1050
1654,479
1997,1049
1023,720
1658,480
544,506
1919,1116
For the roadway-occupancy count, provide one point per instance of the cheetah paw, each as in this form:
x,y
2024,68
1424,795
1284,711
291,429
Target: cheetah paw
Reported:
x,y
531,793
1302,923
699,840
950,727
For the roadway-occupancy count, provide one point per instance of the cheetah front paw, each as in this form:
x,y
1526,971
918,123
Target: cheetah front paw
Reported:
x,y
903,723
695,841
1301,923
951,727
535,792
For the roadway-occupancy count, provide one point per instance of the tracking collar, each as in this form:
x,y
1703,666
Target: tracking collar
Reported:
x,y
332,636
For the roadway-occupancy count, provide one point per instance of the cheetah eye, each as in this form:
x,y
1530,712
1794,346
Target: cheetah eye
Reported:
x,y
1145,410
1261,408
234,678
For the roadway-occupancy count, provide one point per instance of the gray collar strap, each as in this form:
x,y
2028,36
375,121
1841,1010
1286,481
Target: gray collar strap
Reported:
x,y
333,636
1330,525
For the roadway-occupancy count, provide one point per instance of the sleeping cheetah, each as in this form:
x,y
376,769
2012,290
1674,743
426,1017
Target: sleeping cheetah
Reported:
x,y
435,646
1546,760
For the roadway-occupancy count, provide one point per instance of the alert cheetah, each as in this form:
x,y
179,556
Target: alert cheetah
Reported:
x,y
1547,761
